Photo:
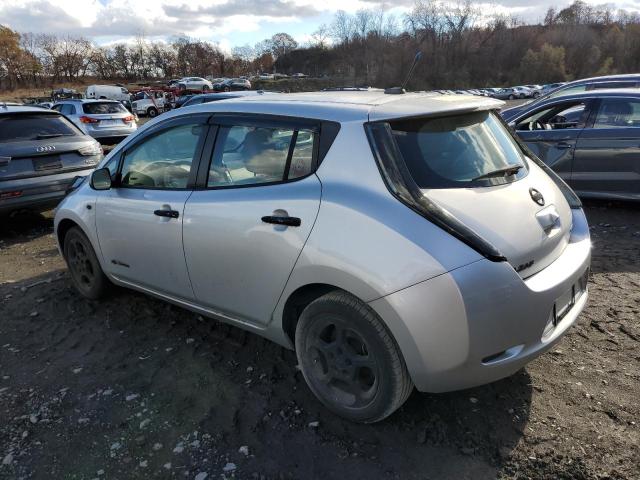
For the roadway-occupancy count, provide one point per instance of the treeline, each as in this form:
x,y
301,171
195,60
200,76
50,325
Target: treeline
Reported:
x,y
462,47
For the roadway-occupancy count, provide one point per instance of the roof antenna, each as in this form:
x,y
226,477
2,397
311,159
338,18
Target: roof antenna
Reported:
x,y
400,90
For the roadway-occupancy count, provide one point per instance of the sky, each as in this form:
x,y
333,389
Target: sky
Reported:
x,y
228,23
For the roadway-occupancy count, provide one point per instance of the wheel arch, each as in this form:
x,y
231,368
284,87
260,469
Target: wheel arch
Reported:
x,y
296,303
63,228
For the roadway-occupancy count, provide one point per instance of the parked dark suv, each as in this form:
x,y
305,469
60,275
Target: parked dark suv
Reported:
x,y
232,84
41,154
591,139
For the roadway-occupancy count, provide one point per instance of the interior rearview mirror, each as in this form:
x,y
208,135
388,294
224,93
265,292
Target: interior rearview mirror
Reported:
x,y
101,179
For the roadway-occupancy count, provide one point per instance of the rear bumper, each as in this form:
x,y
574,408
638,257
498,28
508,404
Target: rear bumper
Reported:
x,y
100,133
482,322
38,193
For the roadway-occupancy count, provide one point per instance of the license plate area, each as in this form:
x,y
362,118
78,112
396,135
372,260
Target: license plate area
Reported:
x,y
567,300
50,162
109,123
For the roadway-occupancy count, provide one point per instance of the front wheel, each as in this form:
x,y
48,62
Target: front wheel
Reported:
x,y
350,360
152,112
511,97
85,269
205,88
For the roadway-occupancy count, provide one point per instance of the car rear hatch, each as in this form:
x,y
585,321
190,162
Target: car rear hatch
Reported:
x,y
106,115
34,144
465,171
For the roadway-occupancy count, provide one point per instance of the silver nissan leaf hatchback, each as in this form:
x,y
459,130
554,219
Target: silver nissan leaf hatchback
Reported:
x,y
393,240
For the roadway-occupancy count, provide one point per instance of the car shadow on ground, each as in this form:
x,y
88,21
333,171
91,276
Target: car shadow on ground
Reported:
x,y
615,235
23,226
193,374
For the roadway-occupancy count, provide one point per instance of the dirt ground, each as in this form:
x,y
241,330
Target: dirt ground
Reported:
x,y
132,387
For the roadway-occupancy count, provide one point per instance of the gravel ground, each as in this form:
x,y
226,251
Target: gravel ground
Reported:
x,y
132,387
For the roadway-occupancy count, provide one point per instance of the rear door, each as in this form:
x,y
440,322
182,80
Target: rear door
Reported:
x,y
139,222
552,132
246,226
607,158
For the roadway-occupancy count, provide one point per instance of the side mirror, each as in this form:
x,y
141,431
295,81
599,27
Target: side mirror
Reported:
x,y
101,179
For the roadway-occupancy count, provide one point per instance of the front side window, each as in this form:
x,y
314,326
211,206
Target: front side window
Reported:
x,y
556,117
459,151
618,113
163,160
256,155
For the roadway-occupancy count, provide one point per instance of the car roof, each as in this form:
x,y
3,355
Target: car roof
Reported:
x,y
604,92
606,78
351,106
87,100
24,109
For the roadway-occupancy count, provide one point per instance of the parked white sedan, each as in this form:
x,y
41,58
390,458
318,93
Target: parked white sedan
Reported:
x,y
195,83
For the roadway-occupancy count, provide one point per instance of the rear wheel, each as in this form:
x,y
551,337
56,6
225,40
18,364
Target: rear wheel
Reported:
x,y
205,88
152,112
227,89
511,97
349,359
86,272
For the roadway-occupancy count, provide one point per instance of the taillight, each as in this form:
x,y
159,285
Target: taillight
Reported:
x,y
85,119
128,119
13,194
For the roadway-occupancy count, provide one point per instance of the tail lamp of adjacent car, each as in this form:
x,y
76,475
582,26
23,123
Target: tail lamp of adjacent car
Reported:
x,y
401,185
85,119
128,119
90,150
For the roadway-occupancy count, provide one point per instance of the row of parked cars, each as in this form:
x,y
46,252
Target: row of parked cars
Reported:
x,y
237,210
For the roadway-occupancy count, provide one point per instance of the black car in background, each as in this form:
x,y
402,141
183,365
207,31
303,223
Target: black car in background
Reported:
x,y
232,84
592,139
584,85
41,155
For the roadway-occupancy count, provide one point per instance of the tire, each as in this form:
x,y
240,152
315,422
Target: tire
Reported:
x,y
227,89
536,94
511,97
152,112
349,359
85,269
205,88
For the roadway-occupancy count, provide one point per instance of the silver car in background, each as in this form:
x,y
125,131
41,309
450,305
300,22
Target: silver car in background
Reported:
x,y
393,240
108,121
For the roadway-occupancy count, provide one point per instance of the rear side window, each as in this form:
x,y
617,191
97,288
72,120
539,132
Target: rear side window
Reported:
x,y
247,155
618,113
458,151
97,108
15,128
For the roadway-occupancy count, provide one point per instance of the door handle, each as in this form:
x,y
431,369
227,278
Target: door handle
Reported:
x,y
167,213
288,221
563,145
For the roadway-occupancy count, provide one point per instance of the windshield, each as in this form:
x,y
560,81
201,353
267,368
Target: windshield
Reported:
x,y
97,108
15,128
473,150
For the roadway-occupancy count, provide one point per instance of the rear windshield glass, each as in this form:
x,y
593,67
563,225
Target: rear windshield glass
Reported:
x,y
103,107
15,128
458,151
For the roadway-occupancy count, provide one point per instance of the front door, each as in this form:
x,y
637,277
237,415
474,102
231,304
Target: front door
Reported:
x,y
140,221
244,231
552,132
607,159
